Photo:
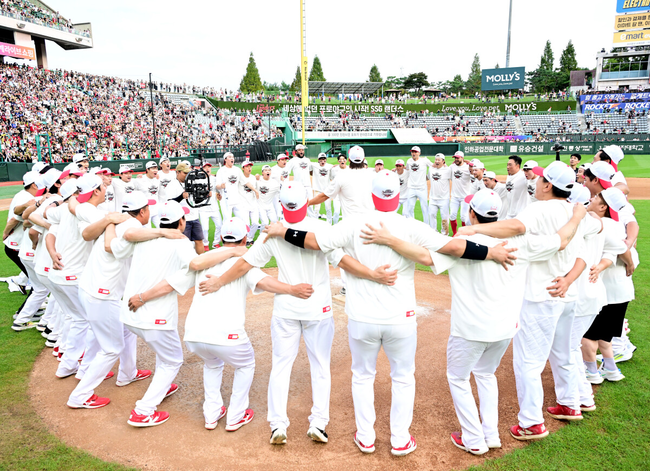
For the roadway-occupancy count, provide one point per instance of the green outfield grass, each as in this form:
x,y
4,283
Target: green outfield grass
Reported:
x,y
615,436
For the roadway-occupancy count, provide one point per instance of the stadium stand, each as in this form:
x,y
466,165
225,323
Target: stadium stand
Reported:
x,y
617,123
28,11
550,124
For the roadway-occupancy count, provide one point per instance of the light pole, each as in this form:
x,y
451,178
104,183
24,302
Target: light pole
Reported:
x,y
508,47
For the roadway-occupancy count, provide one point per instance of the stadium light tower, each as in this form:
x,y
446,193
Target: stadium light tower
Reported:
x,y
508,47
304,66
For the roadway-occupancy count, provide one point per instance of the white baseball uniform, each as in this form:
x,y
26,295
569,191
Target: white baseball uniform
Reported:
x,y
250,212
321,177
460,188
530,188
121,188
439,194
164,179
269,194
300,167
518,198
233,177
417,185
108,205
150,187
403,190
280,174
336,203
500,189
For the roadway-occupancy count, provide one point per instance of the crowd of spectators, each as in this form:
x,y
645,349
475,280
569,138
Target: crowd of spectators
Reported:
x,y
108,118
28,11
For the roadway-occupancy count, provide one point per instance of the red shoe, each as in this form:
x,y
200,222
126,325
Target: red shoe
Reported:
x,y
561,412
55,352
406,449
94,402
248,416
156,418
362,447
536,432
141,374
206,247
213,425
457,439
172,389
108,376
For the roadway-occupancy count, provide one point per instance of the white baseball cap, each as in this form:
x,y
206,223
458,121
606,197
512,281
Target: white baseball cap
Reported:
x,y
615,199
440,155
322,155
245,163
416,149
615,153
172,211
300,146
206,164
234,230
50,178
29,178
102,171
79,158
559,174
281,156
69,188
530,164
399,162
151,164
125,169
379,161
165,158
38,166
266,167
136,200
585,166
604,172
385,191
294,201
73,169
87,184
485,203
490,174
459,153
228,154
476,163
579,194
356,154
40,186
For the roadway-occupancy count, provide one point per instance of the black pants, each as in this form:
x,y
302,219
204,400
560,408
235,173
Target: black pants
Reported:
x,y
13,256
608,324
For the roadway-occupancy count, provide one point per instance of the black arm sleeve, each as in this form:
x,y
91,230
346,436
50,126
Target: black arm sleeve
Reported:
x,y
474,251
295,237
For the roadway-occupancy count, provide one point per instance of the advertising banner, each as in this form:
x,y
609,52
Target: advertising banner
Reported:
x,y
613,101
632,38
631,6
328,135
545,148
637,21
15,50
512,78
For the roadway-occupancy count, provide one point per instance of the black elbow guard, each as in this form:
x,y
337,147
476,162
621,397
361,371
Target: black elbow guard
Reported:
x,y
295,237
474,251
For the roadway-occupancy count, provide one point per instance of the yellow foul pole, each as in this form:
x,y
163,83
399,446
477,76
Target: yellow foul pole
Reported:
x,y
304,67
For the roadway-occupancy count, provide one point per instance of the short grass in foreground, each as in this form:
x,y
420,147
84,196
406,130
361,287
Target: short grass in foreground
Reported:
x,y
615,436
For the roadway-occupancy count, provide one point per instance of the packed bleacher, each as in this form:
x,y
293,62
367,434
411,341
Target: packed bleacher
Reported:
x,y
550,124
107,117
617,123
28,11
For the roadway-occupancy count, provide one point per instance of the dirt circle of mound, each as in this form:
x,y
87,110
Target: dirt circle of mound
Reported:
x,y
183,442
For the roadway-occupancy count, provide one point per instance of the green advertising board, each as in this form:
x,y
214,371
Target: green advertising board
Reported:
x,y
545,148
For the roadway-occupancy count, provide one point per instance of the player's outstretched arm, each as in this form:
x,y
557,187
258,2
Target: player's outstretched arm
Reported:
x,y
138,300
318,199
144,234
214,257
379,275
215,283
109,235
302,239
272,285
94,230
568,231
498,230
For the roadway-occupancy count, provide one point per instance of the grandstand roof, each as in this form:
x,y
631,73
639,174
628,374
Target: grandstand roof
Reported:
x,y
334,88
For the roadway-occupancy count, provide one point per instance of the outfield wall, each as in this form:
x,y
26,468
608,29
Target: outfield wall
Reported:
x,y
545,148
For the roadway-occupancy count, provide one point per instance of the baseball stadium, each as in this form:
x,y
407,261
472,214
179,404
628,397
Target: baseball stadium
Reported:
x,y
423,270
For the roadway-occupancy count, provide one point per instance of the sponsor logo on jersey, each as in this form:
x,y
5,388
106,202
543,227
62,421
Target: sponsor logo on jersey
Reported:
x,y
29,254
161,321
323,171
104,291
327,308
435,176
285,173
232,179
303,165
128,189
233,336
264,189
247,190
401,182
531,190
472,179
153,190
509,186
46,269
110,196
164,183
415,167
15,244
410,313
71,278
458,174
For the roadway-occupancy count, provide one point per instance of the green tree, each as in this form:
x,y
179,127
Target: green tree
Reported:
x,y
473,84
456,85
316,74
295,85
394,82
374,75
416,81
546,62
568,61
251,81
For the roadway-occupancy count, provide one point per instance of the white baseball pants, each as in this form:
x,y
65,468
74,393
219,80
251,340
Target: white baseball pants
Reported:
x,y
267,216
464,212
545,334
434,207
35,300
580,327
336,203
421,195
403,204
454,205
115,341
169,359
482,359
311,211
242,358
285,334
204,217
399,342
278,208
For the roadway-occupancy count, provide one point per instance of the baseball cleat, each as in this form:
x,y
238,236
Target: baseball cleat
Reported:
x,y
172,389
248,416
141,374
94,402
457,439
45,333
590,408
611,375
152,420
213,425
65,375
594,378
49,343
362,447
278,436
495,443
317,434
406,449
23,326
561,412
536,432
41,326
55,352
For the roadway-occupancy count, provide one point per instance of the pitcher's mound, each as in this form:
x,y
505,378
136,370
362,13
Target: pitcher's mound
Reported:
x,y
184,443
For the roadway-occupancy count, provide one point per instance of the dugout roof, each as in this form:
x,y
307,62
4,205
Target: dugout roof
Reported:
x,y
334,88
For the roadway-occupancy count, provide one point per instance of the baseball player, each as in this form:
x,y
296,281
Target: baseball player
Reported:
x,y
250,196
123,185
486,301
222,338
300,166
379,165
81,160
531,178
334,171
106,174
460,188
440,177
211,211
149,185
416,167
382,316
280,173
231,179
13,231
165,176
292,318
150,307
269,189
516,186
403,184
321,177
613,155
491,183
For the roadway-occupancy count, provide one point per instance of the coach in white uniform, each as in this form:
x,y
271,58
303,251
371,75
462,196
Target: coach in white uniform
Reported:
x,y
416,167
439,177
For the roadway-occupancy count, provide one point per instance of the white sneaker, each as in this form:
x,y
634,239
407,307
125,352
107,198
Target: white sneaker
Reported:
x,y
278,437
317,434
494,443
609,375
594,378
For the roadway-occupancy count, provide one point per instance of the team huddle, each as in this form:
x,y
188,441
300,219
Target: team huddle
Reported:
x,y
545,260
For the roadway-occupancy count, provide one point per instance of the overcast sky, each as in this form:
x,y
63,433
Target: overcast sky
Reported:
x,y
208,43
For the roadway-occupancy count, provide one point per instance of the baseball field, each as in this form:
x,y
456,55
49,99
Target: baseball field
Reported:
x,y
40,433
